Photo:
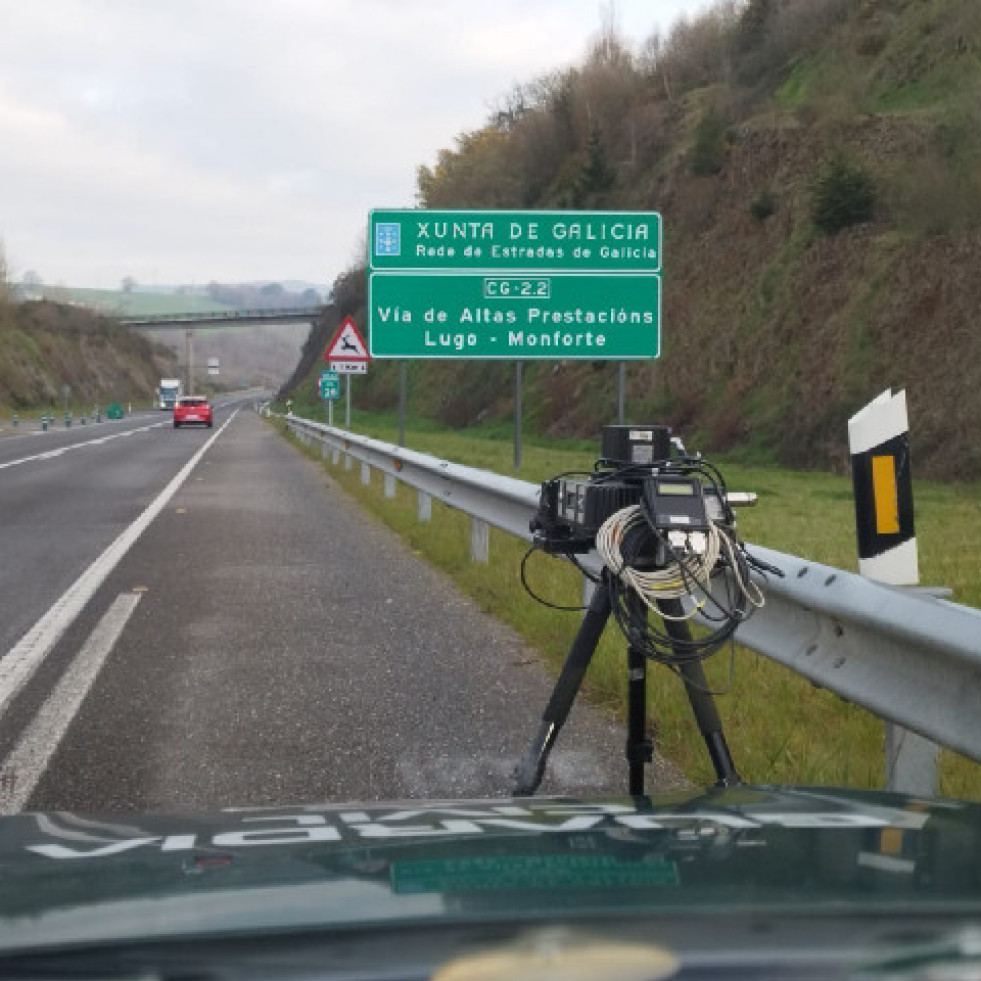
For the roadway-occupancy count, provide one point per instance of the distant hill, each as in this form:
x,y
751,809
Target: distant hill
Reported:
x,y
46,348
65,339
818,167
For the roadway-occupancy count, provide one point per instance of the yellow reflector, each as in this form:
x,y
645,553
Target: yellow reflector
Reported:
x,y
885,495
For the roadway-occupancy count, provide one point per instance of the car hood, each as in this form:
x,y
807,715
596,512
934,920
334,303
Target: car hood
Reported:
x,y
77,879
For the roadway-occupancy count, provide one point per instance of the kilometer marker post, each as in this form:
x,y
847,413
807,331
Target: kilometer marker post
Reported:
x,y
878,440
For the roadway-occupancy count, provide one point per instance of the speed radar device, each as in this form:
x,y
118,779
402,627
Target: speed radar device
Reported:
x,y
661,523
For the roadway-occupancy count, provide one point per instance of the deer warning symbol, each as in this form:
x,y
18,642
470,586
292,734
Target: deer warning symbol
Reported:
x,y
347,344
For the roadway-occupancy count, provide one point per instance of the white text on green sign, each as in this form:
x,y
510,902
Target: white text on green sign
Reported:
x,y
447,315
570,241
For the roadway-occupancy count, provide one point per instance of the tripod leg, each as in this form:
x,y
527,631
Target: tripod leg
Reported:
x,y
640,749
531,769
701,700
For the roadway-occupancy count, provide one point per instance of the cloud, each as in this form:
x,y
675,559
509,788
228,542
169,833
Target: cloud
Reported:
x,y
233,139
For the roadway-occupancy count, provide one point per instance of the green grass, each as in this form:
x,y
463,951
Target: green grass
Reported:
x,y
781,728
948,79
793,92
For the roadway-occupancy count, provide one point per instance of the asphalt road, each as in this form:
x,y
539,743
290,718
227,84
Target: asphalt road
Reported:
x,y
258,640
64,495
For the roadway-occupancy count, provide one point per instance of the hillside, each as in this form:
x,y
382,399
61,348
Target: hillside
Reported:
x,y
47,346
818,167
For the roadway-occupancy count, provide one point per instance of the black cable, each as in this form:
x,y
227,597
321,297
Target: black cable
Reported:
x,y
534,595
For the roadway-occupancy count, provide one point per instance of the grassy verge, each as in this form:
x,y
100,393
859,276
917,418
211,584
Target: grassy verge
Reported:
x,y
781,728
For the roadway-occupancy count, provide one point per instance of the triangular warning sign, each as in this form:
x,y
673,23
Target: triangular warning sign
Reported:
x,y
347,344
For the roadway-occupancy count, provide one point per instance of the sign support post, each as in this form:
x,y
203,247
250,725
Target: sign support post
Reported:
x,y
402,400
517,414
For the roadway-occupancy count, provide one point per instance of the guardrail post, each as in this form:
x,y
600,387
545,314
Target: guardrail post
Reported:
x,y
424,506
335,455
365,474
911,762
479,540
348,461
390,485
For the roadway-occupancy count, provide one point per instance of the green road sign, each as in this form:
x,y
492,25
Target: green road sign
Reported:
x,y
570,241
514,284
534,315
330,385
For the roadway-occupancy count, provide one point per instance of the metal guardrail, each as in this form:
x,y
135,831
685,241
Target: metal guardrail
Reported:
x,y
905,655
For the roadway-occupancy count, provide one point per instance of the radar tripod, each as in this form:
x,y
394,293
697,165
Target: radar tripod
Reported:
x,y
639,748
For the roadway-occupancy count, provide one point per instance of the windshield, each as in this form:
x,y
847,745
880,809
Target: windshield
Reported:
x,y
447,408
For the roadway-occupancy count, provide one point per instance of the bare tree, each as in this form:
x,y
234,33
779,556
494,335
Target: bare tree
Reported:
x,y
4,273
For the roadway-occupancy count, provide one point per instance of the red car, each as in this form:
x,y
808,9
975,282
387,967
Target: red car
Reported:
x,y
192,409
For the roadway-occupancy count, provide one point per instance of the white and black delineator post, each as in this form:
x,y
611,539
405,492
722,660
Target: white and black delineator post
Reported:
x,y
878,439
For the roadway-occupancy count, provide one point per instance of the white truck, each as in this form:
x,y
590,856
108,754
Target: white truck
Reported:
x,y
170,390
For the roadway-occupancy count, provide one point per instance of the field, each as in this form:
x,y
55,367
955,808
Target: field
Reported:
x,y
781,728
137,304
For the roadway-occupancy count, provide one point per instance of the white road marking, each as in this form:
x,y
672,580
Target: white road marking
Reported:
x,y
51,454
26,764
22,660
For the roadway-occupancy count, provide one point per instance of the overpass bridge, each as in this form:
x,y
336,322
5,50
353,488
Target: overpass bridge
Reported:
x,y
221,318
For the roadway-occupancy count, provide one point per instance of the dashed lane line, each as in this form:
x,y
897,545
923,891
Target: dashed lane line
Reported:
x,y
51,454
25,765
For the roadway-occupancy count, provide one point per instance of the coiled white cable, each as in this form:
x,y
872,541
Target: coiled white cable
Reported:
x,y
674,581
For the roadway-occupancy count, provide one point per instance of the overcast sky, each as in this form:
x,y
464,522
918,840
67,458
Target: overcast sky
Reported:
x,y
232,140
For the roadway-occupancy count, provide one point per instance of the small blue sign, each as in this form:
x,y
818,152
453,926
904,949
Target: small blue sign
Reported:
x,y
387,240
